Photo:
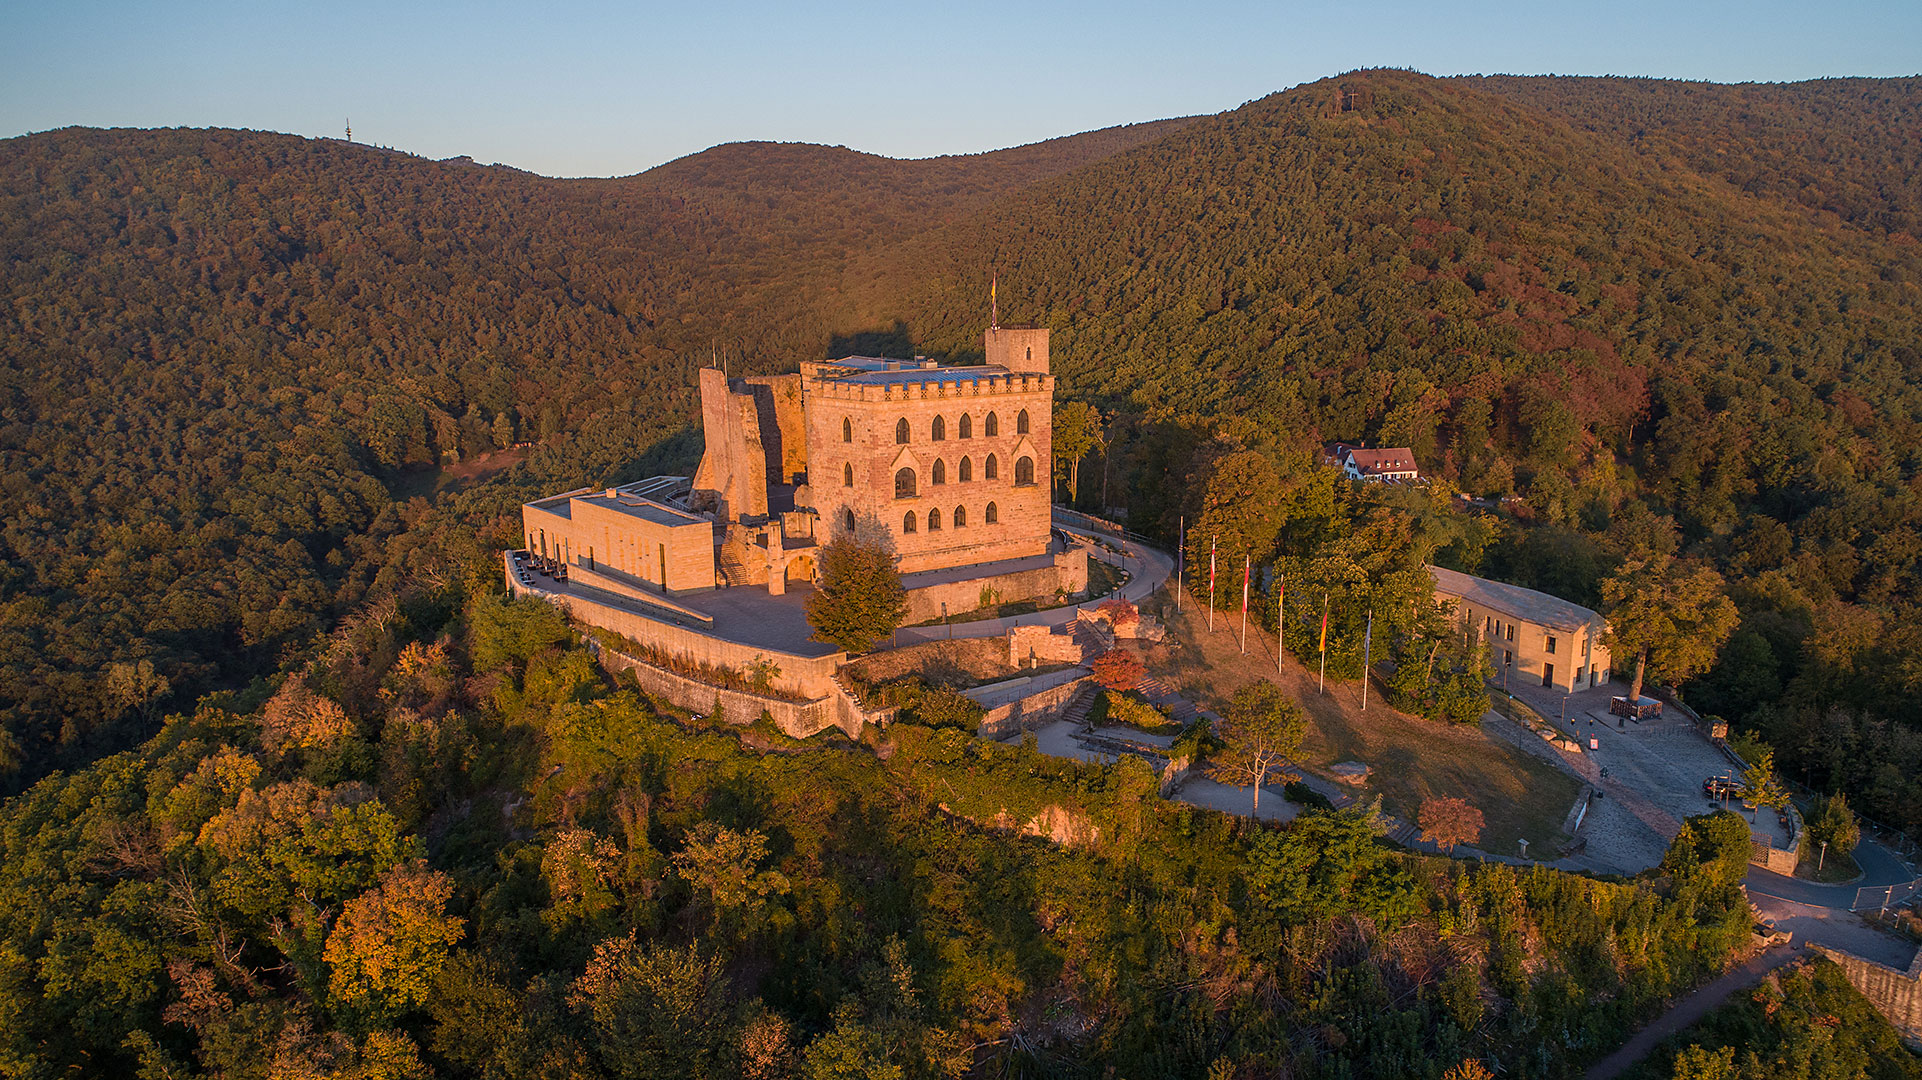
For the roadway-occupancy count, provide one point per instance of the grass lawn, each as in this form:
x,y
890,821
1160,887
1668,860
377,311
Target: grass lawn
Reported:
x,y
1412,759
1836,867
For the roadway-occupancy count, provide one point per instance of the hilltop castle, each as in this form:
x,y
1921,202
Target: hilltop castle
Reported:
x,y
947,466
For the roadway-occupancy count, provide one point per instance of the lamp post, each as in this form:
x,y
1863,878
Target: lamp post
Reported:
x,y
1823,857
1524,843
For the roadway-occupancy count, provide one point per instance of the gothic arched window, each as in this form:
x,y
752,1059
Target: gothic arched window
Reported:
x,y
901,431
847,475
934,521
847,430
992,426
907,522
940,472
991,469
967,426
960,517
847,519
904,484
1024,472
1021,423
939,430
967,470
991,517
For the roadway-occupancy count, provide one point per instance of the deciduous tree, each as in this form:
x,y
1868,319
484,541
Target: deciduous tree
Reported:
x,y
1118,669
386,950
1263,728
859,599
1447,821
1671,619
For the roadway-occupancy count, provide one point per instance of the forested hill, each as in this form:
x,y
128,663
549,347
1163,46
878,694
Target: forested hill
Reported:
x,y
224,350
1846,146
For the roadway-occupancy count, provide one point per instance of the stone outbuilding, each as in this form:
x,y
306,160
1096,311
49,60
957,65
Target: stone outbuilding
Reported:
x,y
1531,635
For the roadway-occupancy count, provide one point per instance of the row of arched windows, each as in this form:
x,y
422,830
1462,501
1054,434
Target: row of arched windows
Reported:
x,y
938,430
990,516
904,479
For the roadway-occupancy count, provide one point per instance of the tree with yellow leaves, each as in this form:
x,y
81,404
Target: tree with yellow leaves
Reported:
x,y
390,942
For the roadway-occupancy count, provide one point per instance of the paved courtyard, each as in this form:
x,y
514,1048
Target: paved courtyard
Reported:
x,y
1655,774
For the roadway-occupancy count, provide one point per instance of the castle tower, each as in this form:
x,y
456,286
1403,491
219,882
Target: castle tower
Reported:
x,y
1018,350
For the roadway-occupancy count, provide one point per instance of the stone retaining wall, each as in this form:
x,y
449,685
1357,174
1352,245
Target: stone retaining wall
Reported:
x,y
1897,995
1068,575
1032,711
810,677
798,719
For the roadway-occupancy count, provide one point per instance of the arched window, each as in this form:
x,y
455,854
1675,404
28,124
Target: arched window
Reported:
x,y
1024,472
901,431
991,470
847,430
967,426
940,471
967,470
1030,352
847,475
992,516
934,521
847,519
992,426
940,429
904,484
1021,423
960,517
907,522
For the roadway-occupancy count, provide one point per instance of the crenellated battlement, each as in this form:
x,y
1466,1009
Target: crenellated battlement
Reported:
x,y
933,389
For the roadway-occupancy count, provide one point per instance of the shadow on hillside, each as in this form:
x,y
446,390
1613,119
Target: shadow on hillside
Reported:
x,y
894,342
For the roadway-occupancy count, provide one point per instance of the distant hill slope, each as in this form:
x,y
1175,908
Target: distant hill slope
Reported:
x,y
1851,147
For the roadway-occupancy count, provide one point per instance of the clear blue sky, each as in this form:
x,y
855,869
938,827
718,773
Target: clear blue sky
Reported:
x,y
571,89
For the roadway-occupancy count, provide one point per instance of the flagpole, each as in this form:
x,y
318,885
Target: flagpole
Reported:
x,y
1367,646
1211,584
1245,565
1281,621
1181,561
1322,686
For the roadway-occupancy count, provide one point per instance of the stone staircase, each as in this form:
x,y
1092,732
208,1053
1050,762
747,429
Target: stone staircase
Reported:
x,y
1093,636
1405,833
733,571
1078,707
1159,693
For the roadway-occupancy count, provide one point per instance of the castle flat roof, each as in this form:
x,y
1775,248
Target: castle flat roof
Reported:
x,y
1527,605
646,510
625,500
909,373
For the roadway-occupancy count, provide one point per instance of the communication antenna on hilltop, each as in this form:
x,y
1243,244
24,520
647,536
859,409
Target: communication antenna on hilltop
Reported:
x,y
350,129
994,305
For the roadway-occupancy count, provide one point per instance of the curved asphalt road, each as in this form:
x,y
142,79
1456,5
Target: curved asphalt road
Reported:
x,y
1880,868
